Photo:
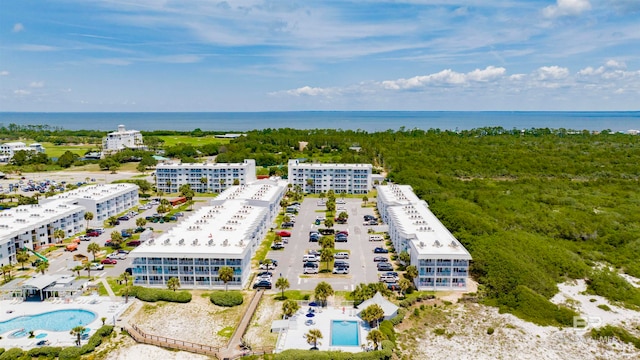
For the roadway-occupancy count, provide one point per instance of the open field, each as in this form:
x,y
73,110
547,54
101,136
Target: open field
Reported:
x,y
172,140
56,151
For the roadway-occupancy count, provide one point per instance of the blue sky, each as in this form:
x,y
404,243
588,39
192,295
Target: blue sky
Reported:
x,y
244,55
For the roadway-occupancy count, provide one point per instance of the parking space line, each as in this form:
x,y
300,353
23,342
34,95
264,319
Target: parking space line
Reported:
x,y
299,280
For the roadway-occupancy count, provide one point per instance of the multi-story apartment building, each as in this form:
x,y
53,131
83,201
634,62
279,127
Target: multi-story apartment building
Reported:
x,y
205,177
103,200
341,178
122,139
442,261
33,226
227,233
7,150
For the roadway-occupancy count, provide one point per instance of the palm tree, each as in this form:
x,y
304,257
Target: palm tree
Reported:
x,y
225,274
77,269
88,216
173,283
411,272
78,331
322,292
93,248
168,186
328,222
312,337
289,307
405,284
282,284
6,272
375,336
125,276
42,267
405,258
326,255
87,267
140,222
365,200
112,220
116,239
372,313
204,181
58,234
22,257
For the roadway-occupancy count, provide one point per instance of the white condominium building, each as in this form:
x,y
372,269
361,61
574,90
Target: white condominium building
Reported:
x,y
341,178
33,226
442,261
227,233
204,177
122,139
7,150
103,200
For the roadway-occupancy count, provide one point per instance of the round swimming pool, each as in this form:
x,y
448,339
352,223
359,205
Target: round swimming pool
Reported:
x,y
60,320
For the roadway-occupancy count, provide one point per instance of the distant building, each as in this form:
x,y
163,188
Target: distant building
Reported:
x,y
122,139
442,261
227,233
103,200
229,136
204,177
633,132
7,150
341,178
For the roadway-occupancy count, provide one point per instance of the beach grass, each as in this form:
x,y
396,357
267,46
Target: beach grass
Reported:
x,y
172,140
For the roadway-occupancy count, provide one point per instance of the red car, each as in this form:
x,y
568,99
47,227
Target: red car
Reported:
x,y
93,233
109,261
283,233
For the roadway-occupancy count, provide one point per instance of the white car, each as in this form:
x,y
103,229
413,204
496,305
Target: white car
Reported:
x,y
267,266
95,266
310,270
341,270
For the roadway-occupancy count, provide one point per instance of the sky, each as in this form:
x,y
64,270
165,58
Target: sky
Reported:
x,y
287,55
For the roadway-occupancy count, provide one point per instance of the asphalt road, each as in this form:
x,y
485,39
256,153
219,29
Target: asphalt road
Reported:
x,y
362,267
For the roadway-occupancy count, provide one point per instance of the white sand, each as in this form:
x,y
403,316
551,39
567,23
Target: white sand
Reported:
x,y
149,352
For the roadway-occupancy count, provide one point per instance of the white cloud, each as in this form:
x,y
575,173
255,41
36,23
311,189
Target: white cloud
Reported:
x,y
114,61
21,92
566,8
4,73
552,73
17,28
311,91
36,47
36,84
445,77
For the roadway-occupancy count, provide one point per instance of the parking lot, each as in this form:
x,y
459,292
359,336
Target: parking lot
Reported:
x,y
362,267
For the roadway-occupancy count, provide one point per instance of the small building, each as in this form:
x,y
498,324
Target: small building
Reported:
x,y
390,309
8,150
122,139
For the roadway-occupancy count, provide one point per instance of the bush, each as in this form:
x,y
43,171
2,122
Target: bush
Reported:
x,y
490,331
608,332
384,354
528,305
439,331
153,295
386,327
226,298
12,354
96,339
70,353
45,351
399,317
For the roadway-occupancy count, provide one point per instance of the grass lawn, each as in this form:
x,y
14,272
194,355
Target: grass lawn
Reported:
x,y
195,141
295,295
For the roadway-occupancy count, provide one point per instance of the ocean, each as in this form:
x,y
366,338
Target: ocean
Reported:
x,y
370,121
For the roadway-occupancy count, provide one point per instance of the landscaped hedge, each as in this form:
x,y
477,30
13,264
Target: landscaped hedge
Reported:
x,y
384,354
96,339
226,298
49,352
12,354
408,302
386,327
399,317
70,353
153,295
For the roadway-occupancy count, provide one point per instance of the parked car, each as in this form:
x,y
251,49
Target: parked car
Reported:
x,y
277,246
341,238
274,262
123,251
95,266
380,259
117,256
380,250
85,238
376,238
267,267
93,234
340,270
288,224
310,270
134,243
314,237
310,258
369,217
124,218
327,231
385,266
344,232
340,263
341,201
109,261
393,286
341,255
283,233
266,275
262,284
310,264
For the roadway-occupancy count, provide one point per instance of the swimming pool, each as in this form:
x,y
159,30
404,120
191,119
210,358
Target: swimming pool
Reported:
x,y
345,333
60,320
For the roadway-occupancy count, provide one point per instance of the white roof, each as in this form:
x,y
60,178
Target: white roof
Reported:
x,y
397,195
23,218
206,165
96,193
387,306
422,227
296,163
225,229
41,282
261,190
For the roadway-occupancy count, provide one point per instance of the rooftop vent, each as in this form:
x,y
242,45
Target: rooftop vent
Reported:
x,y
181,242
210,242
167,241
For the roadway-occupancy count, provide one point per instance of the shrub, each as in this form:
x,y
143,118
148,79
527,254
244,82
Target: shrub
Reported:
x,y
70,353
386,327
608,332
490,331
604,307
96,339
399,317
153,295
383,354
226,298
439,331
45,351
12,354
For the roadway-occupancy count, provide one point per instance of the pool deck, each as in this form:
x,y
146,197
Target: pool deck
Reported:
x,y
294,338
102,306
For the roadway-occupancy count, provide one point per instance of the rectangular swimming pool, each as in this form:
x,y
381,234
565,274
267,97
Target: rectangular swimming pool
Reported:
x,y
345,333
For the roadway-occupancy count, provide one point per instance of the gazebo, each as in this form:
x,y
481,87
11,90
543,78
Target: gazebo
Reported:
x,y
390,309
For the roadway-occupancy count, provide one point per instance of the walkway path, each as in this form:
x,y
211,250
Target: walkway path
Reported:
x,y
233,348
107,287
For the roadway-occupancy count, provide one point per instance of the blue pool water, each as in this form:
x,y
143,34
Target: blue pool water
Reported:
x,y
344,333
41,336
61,320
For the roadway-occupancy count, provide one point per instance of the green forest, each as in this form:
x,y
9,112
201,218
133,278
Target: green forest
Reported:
x,y
534,208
